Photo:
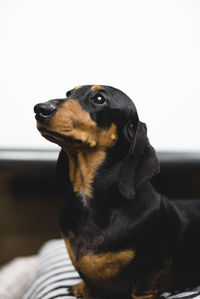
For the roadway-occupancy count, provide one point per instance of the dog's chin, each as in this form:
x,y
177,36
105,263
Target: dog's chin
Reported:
x,y
60,139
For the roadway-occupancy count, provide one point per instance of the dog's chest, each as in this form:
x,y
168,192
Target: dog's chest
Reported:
x,y
99,267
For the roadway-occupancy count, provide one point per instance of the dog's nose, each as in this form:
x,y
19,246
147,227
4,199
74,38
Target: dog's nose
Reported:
x,y
45,110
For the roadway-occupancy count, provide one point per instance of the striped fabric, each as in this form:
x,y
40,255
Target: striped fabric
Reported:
x,y
56,273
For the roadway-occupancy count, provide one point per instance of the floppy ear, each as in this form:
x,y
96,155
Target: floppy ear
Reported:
x,y
62,170
140,164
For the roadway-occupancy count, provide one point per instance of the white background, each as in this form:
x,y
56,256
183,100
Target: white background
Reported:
x,y
149,49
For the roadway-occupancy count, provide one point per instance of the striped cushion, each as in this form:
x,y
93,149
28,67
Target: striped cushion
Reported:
x,y
56,273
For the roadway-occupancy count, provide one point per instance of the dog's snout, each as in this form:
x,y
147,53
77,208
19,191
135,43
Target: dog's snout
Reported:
x,y
45,110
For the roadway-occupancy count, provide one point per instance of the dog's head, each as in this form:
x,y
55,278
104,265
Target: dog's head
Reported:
x,y
101,119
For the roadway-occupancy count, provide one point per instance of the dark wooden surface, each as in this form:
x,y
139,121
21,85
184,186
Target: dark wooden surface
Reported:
x,y
30,202
29,207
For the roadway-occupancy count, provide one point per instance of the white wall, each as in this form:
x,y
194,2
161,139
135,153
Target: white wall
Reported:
x,y
149,49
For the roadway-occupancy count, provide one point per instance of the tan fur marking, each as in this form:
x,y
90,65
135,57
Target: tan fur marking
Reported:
x,y
82,170
100,266
71,120
102,270
97,87
77,87
81,289
105,265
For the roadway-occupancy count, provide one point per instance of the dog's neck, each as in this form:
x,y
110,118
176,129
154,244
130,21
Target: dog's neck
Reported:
x,y
83,166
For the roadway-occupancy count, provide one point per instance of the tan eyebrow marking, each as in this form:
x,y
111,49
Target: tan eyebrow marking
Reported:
x,y
77,87
97,87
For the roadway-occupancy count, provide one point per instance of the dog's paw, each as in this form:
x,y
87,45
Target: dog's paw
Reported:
x,y
70,291
75,292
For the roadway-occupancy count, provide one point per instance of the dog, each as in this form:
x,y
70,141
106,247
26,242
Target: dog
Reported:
x,y
124,239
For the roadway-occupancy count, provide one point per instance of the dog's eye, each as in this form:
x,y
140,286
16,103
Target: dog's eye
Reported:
x,y
99,99
68,93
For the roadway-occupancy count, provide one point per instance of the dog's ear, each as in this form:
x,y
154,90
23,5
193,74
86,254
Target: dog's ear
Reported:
x,y
139,165
62,170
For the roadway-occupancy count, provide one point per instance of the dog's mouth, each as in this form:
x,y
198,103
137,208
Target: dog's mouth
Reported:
x,y
56,137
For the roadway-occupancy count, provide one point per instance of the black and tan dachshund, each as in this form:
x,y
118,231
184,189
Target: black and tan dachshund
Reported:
x,y
124,239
